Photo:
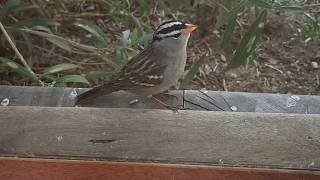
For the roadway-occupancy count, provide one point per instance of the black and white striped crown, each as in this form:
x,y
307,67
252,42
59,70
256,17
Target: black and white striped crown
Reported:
x,y
171,28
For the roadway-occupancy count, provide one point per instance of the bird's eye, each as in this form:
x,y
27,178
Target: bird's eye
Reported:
x,y
175,36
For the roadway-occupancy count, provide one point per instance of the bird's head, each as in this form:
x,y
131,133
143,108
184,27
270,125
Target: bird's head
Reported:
x,y
173,29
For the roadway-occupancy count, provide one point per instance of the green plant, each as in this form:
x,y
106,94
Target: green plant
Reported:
x,y
21,28
134,18
310,30
248,43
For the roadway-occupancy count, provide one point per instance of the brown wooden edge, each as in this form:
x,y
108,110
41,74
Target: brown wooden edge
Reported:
x,y
22,168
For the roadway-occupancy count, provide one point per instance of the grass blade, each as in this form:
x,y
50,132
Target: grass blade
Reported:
x,y
73,79
192,72
59,68
33,22
232,14
228,33
19,69
248,42
94,30
98,74
5,10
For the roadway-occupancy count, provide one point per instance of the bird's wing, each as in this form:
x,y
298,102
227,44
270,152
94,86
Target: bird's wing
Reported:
x,y
140,71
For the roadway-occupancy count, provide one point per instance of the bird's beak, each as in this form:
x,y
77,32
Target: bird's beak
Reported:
x,y
191,27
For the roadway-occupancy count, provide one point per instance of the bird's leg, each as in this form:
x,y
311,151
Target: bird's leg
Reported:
x,y
156,99
163,104
166,95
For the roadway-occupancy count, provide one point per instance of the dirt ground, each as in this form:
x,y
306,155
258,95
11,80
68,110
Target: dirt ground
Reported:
x,y
280,67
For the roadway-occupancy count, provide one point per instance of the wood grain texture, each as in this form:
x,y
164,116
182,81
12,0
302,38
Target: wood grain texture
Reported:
x,y
17,169
252,102
193,100
201,137
65,97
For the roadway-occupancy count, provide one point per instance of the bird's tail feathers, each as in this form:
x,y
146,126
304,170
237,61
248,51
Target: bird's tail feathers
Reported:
x,y
89,96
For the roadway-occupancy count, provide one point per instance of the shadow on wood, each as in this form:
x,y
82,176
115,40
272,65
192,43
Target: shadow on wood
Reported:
x,y
193,100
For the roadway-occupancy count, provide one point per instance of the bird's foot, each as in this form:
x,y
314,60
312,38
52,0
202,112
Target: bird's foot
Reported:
x,y
165,105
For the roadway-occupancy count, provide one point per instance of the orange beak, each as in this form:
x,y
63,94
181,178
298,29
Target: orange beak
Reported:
x,y
191,27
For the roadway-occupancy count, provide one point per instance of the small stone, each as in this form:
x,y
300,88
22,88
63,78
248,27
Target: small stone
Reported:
x,y
314,65
233,75
207,69
289,73
223,58
90,8
88,35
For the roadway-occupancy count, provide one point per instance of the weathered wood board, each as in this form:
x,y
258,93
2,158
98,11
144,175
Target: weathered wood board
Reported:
x,y
21,168
193,100
191,137
252,102
65,97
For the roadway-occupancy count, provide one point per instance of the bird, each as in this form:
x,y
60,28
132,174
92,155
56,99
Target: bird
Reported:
x,y
152,71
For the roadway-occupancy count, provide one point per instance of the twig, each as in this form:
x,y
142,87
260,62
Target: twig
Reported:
x,y
271,67
23,61
225,87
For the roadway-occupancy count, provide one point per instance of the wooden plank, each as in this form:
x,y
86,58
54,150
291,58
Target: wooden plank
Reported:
x,y
17,169
65,97
202,137
193,100
252,102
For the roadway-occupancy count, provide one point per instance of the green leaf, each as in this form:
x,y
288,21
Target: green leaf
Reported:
x,y
34,22
63,43
3,39
228,33
192,72
195,3
5,10
94,30
121,57
28,42
261,3
19,69
42,29
248,42
98,74
59,68
144,6
73,79
232,14
22,7
290,9
15,6
134,37
49,78
163,5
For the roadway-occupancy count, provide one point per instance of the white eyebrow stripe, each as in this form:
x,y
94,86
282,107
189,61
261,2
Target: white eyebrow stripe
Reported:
x,y
168,25
170,33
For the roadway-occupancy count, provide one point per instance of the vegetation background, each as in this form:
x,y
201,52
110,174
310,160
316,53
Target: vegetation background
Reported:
x,y
240,45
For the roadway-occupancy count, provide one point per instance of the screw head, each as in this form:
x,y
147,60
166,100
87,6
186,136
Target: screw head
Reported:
x,y
5,102
234,108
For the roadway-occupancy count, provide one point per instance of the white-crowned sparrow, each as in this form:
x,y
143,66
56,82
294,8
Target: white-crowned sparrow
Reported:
x,y
155,69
